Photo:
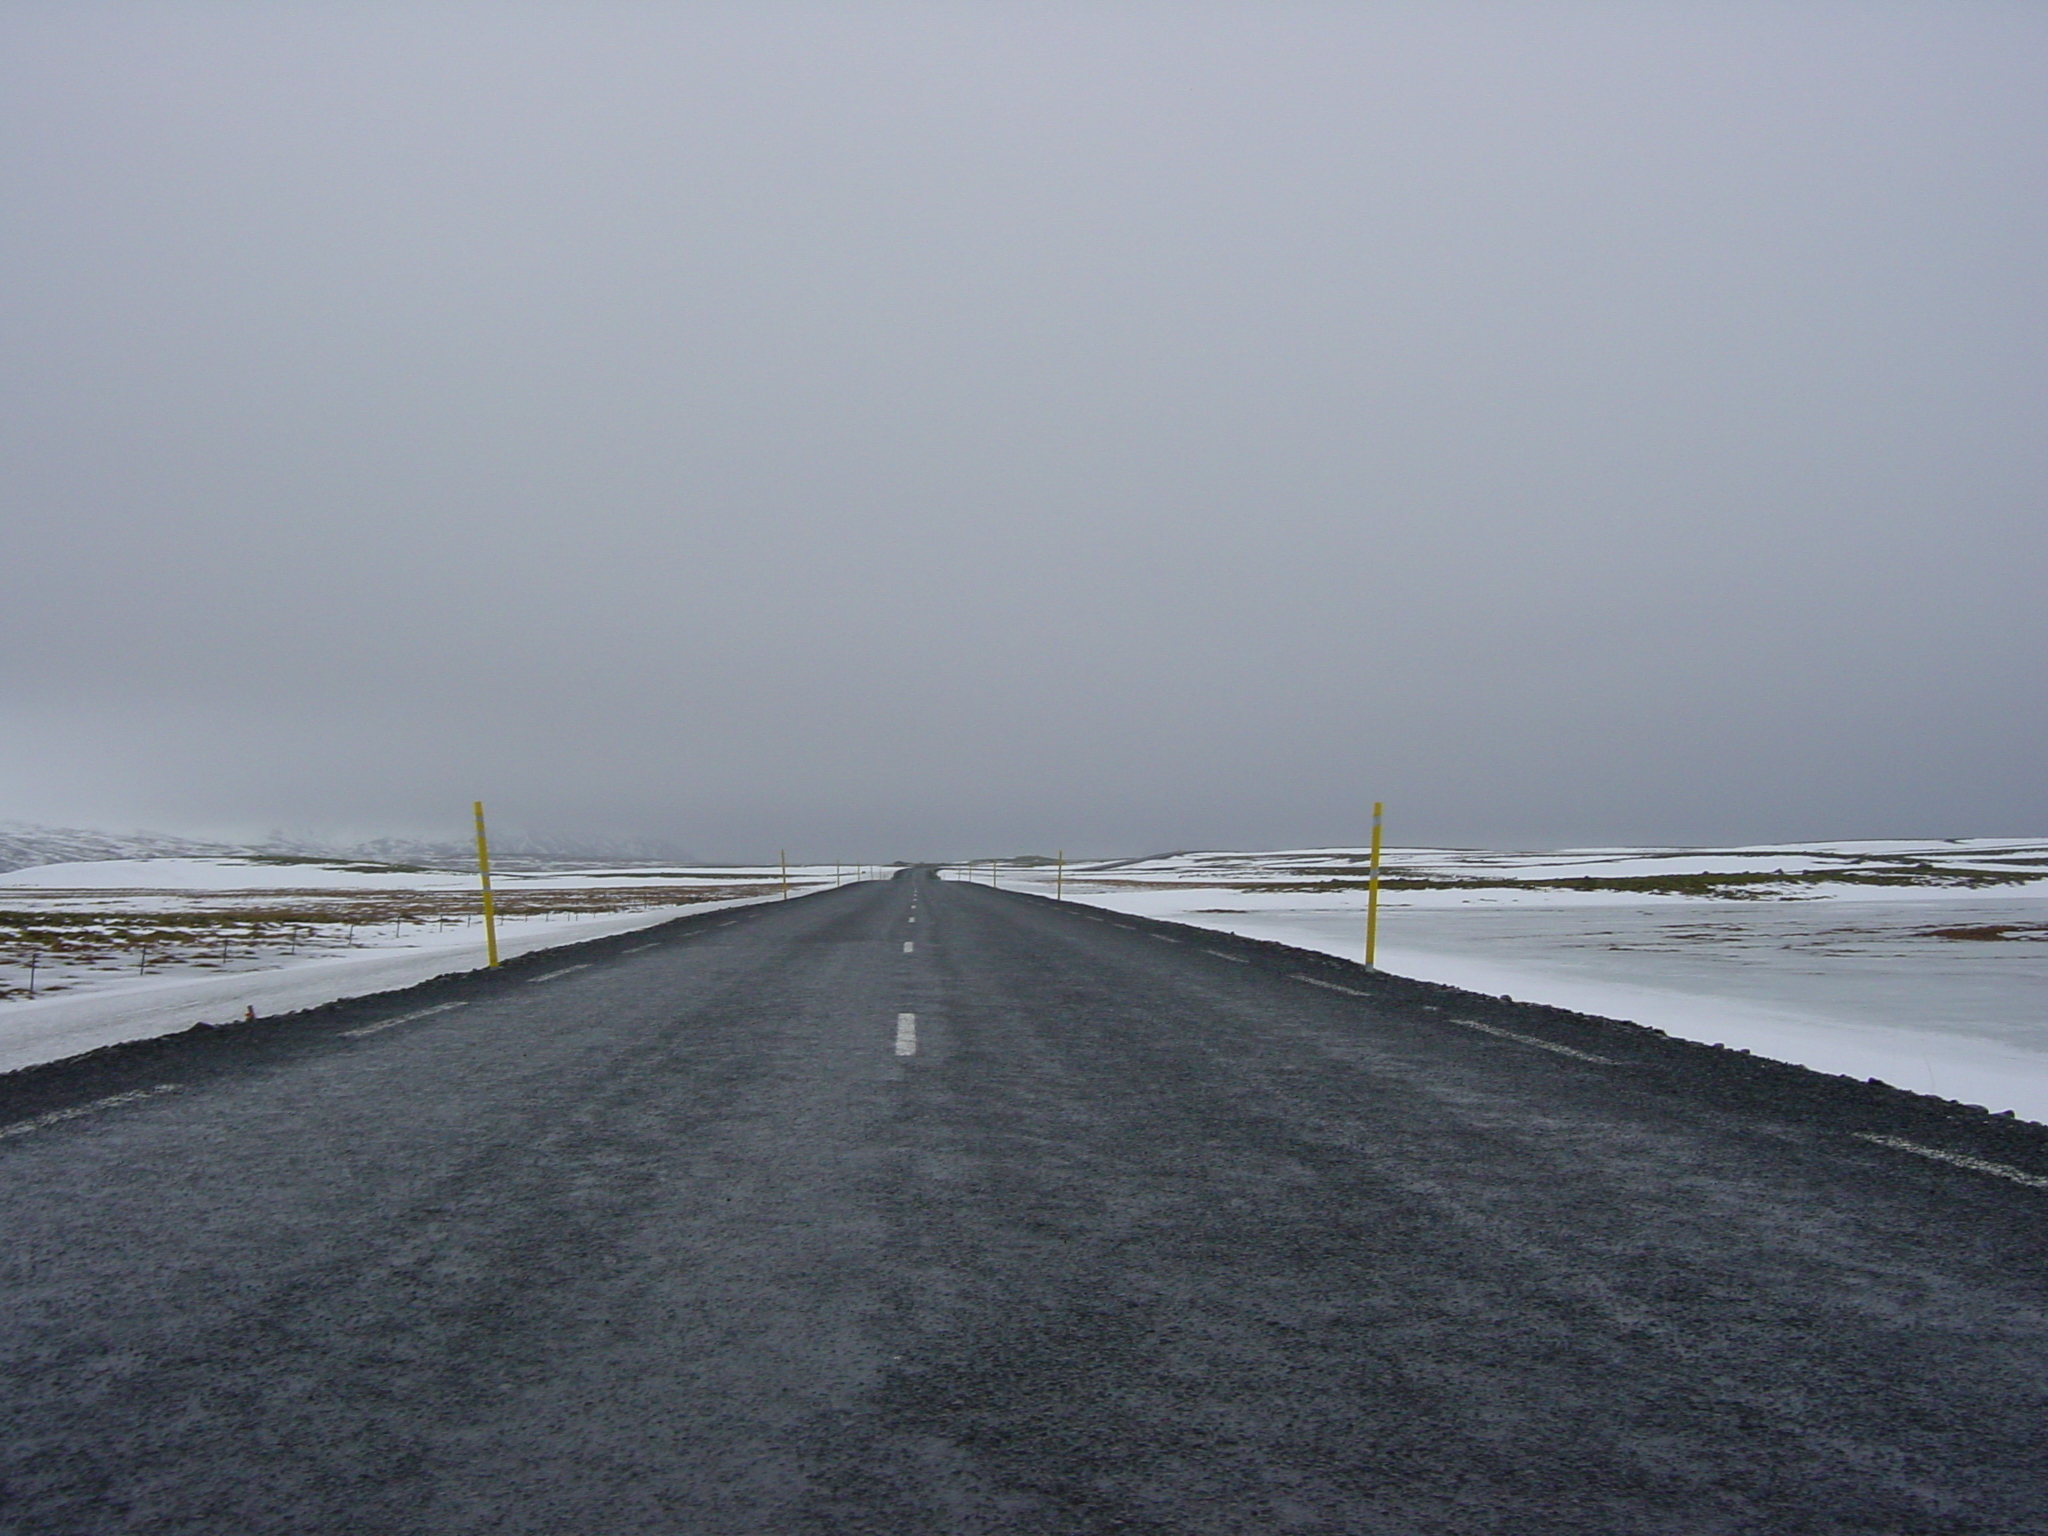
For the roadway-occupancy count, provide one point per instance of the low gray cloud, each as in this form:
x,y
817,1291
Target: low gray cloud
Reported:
x,y
921,430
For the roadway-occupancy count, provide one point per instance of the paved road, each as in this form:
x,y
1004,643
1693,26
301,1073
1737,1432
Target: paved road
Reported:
x,y
1124,1228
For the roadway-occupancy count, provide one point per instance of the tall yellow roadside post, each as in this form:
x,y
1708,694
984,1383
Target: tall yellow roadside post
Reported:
x,y
483,873
1059,879
1372,890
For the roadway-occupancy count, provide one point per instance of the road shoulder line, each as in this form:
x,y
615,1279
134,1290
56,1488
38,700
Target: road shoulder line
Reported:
x,y
1317,981
403,1018
1541,1045
59,1116
564,971
1958,1159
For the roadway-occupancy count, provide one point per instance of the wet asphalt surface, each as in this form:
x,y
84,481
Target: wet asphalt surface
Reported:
x,y
1156,1231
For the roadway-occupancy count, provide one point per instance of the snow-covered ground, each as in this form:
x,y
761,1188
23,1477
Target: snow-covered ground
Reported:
x,y
108,950
1924,964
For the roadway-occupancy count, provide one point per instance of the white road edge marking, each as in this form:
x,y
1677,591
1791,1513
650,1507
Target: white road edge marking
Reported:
x,y
403,1018
908,947
565,970
1541,1045
1484,1029
59,1116
1220,955
906,1034
1317,981
1960,1159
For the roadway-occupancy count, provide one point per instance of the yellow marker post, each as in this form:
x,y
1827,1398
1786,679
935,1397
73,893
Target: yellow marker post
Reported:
x,y
483,873
1372,890
784,857
1059,879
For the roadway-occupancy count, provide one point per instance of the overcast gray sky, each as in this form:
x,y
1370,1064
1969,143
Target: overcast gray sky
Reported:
x,y
919,430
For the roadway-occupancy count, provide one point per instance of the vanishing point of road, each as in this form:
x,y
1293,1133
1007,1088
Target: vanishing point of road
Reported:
x,y
921,1207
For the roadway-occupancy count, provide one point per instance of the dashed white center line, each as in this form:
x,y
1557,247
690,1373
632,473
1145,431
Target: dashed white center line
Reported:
x,y
1541,1045
1162,938
59,1116
906,1034
1233,959
564,971
637,948
403,1018
733,924
908,947
1959,1159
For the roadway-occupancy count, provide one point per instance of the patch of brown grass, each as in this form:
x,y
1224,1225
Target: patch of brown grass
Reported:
x,y
1991,933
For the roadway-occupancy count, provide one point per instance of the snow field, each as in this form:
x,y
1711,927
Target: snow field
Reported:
x,y
1924,965
129,949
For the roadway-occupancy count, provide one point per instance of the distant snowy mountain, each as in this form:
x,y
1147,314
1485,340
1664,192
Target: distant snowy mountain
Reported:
x,y
24,845
515,849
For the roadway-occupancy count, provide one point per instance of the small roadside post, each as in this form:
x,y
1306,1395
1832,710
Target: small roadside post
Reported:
x,y
1372,890
1059,877
783,858
483,874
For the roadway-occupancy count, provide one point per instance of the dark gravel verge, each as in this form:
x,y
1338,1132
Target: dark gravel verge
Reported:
x,y
1735,1079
